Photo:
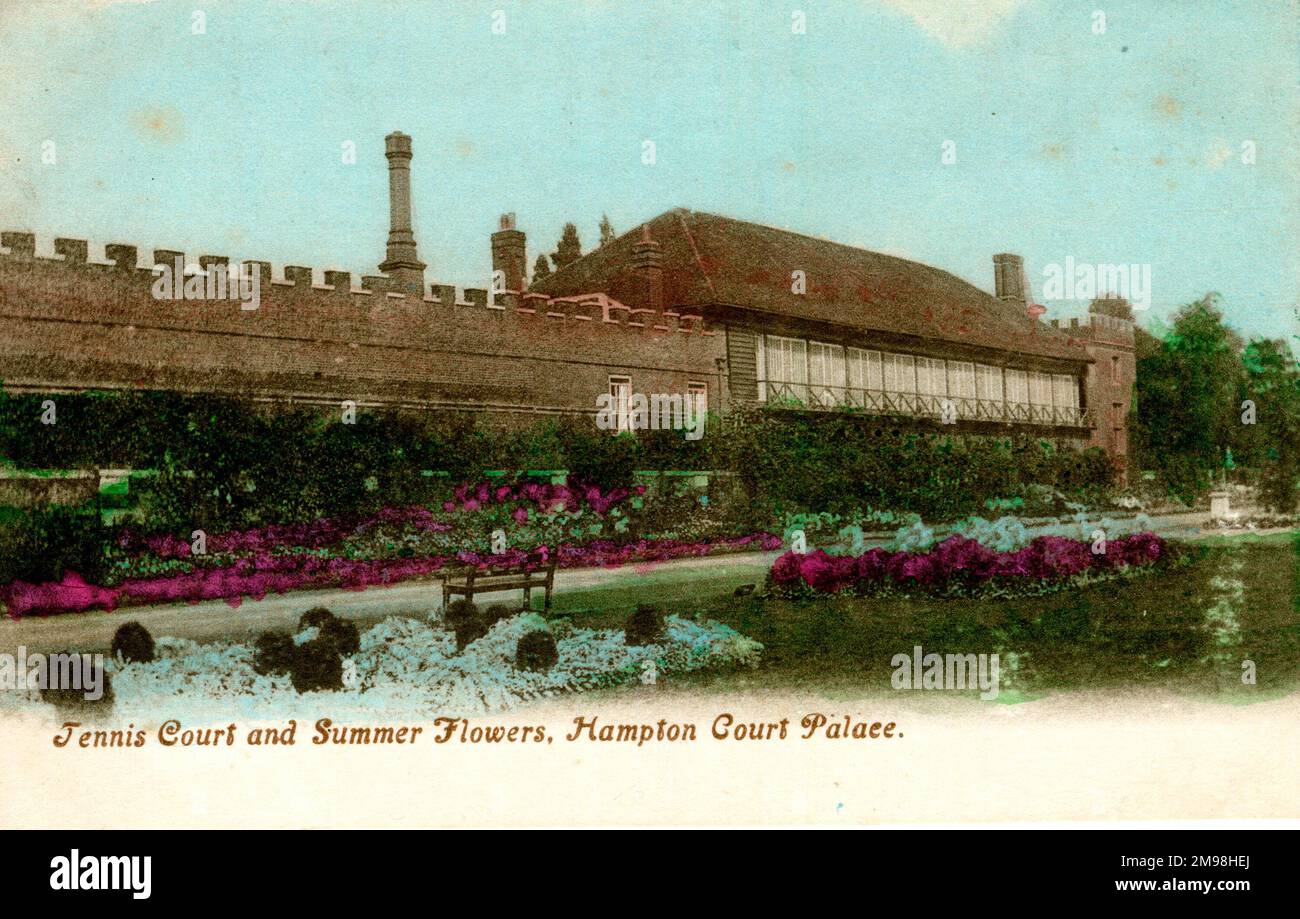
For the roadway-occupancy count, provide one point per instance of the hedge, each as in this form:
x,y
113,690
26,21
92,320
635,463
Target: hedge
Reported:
x,y
225,463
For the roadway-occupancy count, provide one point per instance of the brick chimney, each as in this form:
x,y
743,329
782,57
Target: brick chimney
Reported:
x,y
509,254
1009,277
403,265
648,270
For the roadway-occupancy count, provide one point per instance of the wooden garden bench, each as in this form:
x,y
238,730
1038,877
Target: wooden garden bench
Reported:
x,y
470,580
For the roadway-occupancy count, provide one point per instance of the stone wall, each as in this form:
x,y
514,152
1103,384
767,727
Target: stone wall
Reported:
x,y
71,323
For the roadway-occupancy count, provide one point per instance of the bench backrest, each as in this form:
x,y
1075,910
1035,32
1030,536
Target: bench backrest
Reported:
x,y
471,572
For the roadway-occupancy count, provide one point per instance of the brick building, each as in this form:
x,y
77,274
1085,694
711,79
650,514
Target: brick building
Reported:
x,y
745,314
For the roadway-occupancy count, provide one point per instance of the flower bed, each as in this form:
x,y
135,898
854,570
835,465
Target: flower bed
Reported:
x,y
410,667
327,531
257,576
964,567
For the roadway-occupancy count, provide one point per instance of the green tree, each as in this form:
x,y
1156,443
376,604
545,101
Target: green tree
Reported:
x,y
568,249
541,268
1187,394
606,231
1273,439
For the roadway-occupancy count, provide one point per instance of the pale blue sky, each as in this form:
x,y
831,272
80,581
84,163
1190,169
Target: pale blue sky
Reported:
x,y
1120,147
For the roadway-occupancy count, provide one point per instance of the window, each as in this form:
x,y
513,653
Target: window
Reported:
x,y
931,377
900,373
988,383
1040,388
1114,369
698,393
864,370
620,390
786,365
961,379
1017,387
1065,392
826,372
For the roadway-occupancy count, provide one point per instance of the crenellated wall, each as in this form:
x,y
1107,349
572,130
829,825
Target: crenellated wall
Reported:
x,y
75,322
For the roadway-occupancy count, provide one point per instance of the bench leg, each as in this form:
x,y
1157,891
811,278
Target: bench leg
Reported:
x,y
546,603
528,598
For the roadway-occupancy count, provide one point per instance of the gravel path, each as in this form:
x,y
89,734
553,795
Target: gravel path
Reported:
x,y
213,619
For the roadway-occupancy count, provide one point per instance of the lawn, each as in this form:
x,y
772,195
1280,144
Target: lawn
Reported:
x,y
1187,630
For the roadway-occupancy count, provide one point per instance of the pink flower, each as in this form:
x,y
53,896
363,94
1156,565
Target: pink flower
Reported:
x,y
785,570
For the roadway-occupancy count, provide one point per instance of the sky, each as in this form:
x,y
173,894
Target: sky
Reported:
x,y
1118,146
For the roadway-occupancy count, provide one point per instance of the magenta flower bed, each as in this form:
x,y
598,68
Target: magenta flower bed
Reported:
x,y
544,497
315,535
264,573
328,531
960,564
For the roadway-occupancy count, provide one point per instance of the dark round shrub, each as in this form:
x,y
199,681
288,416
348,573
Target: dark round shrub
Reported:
x,y
345,635
317,665
73,699
458,611
536,651
645,626
498,611
316,617
466,621
133,643
273,653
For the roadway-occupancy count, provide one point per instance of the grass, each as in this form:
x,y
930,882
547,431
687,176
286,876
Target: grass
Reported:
x,y
1188,630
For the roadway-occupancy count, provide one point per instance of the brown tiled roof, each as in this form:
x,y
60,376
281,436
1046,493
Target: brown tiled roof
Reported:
x,y
717,261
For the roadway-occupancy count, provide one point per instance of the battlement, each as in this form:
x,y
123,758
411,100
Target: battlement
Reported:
x,y
1098,327
123,264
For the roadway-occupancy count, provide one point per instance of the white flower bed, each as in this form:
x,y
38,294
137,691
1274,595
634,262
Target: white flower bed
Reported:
x,y
409,667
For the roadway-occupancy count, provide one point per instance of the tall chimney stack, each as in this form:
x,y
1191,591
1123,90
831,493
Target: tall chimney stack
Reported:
x,y
403,265
648,268
508,253
1009,277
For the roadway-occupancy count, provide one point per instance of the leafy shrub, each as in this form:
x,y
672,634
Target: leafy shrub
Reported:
x,y
73,699
497,612
316,665
596,457
273,653
345,635
645,626
464,618
536,651
133,643
40,546
317,617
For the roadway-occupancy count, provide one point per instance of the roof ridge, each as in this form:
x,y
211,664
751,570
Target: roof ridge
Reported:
x,y
682,213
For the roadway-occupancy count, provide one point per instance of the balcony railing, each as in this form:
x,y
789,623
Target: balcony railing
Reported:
x,y
915,405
